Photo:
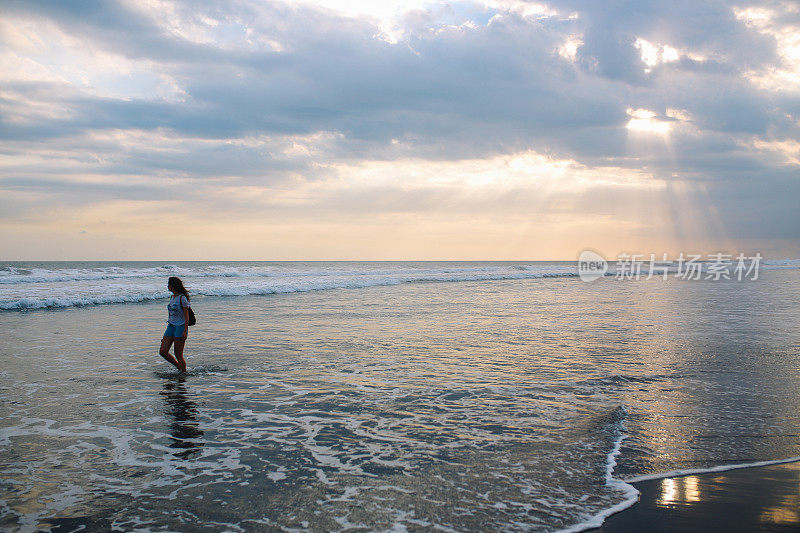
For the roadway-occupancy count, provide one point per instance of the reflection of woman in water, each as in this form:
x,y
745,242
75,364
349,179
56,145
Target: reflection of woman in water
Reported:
x,y
185,434
177,325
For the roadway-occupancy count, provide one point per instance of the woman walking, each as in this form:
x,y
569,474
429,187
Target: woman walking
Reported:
x,y
177,325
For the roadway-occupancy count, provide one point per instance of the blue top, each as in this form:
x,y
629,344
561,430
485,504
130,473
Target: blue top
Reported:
x,y
175,308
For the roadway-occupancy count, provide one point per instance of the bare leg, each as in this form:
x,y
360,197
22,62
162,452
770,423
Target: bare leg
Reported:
x,y
179,344
166,342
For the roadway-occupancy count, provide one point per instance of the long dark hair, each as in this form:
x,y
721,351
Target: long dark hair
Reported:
x,y
177,286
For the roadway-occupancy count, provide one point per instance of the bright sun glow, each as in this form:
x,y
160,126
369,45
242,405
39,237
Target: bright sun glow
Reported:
x,y
776,23
653,54
646,121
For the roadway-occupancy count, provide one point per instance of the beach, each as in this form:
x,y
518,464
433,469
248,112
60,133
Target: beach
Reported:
x,y
456,266
761,498
376,396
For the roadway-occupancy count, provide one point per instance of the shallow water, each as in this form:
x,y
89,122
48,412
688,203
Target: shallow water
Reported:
x,y
476,405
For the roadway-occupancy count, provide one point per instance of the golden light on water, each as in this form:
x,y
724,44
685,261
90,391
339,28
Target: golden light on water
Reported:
x,y
771,494
787,507
669,492
680,490
691,489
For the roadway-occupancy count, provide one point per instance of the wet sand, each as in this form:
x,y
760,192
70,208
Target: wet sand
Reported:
x,y
765,498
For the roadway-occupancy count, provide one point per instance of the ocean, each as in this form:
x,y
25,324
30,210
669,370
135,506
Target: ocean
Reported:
x,y
381,396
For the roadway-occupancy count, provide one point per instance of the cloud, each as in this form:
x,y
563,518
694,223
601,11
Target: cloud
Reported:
x,y
122,100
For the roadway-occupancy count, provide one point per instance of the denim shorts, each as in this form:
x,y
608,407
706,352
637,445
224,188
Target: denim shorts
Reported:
x,y
174,330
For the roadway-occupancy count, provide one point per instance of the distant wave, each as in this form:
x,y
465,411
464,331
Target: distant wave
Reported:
x,y
34,287
54,302
296,282
12,275
778,264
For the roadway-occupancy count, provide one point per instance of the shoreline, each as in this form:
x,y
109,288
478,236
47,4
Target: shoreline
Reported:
x,y
760,496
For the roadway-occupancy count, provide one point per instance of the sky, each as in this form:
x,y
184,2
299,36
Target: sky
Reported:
x,y
407,130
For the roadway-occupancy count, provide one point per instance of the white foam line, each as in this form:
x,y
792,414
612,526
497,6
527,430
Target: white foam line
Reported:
x,y
720,468
631,494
